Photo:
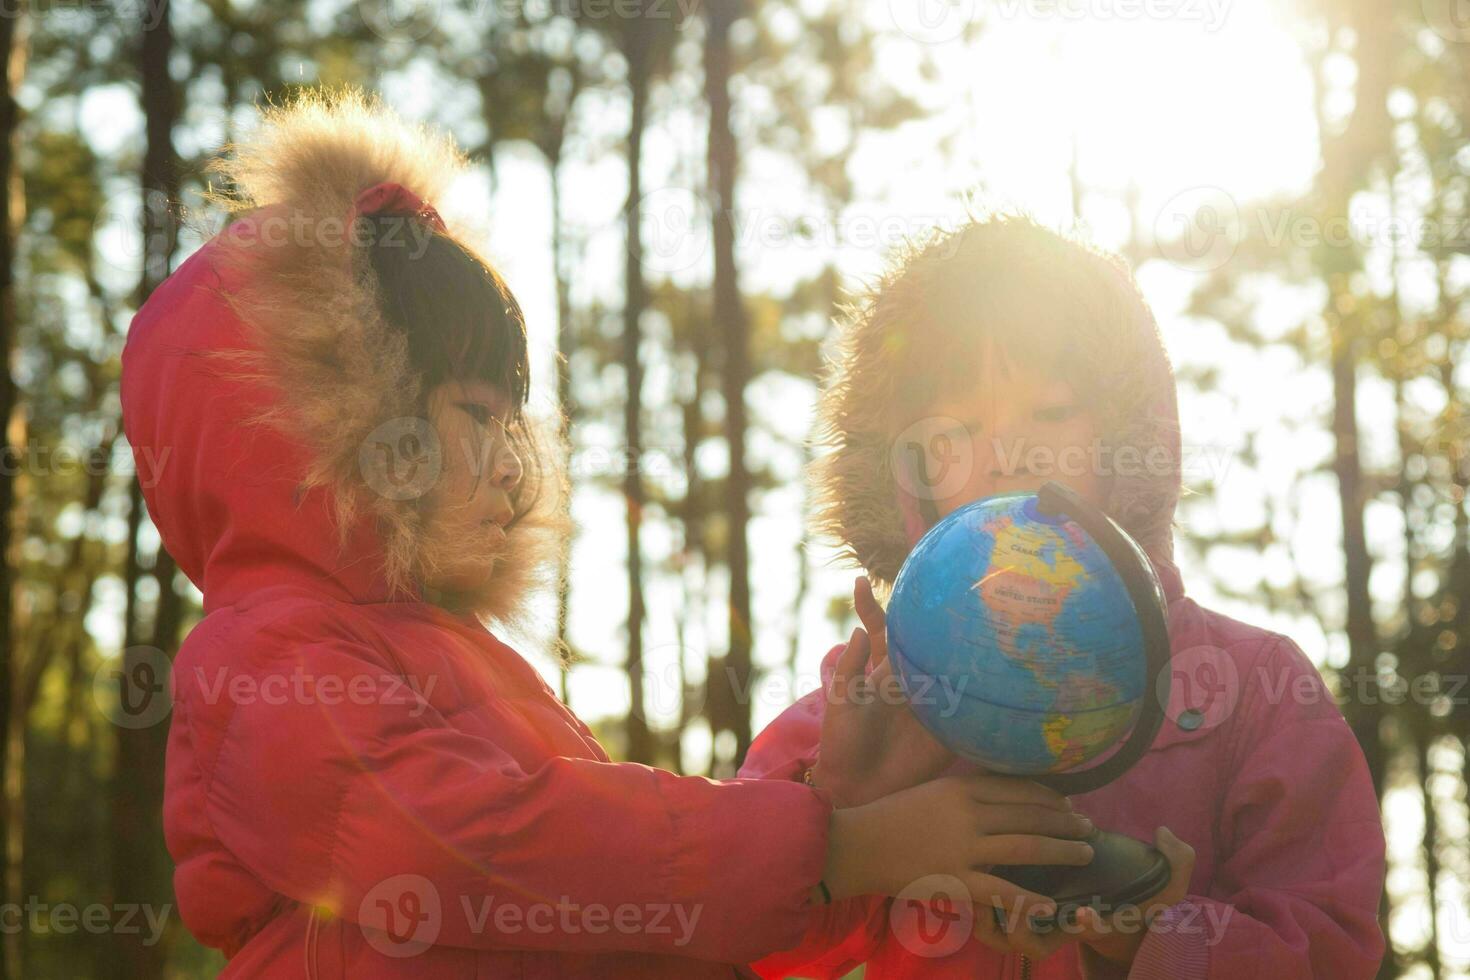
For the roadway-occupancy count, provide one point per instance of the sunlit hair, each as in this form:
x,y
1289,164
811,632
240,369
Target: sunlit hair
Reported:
x,y
917,336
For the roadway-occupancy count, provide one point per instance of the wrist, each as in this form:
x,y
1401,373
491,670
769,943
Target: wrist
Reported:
x,y
847,871
823,778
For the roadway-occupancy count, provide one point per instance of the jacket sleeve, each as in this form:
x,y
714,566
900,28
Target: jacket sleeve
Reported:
x,y
381,811
844,934
1297,890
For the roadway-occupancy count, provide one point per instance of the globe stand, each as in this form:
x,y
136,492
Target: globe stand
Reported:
x,y
1124,871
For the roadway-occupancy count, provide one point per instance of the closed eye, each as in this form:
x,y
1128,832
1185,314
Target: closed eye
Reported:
x,y
1056,413
478,411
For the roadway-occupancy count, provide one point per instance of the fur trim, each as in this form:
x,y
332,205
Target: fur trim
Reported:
x,y
886,337
322,341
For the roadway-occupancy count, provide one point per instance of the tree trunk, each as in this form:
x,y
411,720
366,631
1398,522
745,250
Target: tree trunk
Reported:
x,y
636,49
12,61
1348,160
565,340
1424,745
141,872
731,684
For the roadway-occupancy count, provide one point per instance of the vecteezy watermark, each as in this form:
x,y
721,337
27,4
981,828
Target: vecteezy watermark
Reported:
x,y
1202,228
933,916
136,688
1200,687
148,13
857,227
398,21
402,459
1203,686
403,915
1198,229
675,229
63,459
131,229
98,918
924,690
1210,14
1209,919
1450,19
943,21
934,21
303,687
935,457
667,692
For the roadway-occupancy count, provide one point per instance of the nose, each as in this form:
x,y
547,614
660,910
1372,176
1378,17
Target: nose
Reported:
x,y
508,471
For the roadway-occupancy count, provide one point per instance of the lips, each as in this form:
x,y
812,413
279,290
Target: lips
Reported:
x,y
497,524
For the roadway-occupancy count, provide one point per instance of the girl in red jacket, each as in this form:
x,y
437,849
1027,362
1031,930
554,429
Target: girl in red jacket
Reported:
x,y
325,405
1007,355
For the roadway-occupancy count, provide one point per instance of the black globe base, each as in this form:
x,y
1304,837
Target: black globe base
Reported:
x,y
1124,871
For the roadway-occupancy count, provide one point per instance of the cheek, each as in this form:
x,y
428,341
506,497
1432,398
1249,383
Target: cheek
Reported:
x,y
451,489
967,476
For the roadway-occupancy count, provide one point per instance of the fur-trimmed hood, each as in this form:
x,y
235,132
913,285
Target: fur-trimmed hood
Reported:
x,y
263,388
889,335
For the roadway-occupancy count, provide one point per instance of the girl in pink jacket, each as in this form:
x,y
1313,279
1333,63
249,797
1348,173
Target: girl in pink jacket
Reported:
x,y
1004,355
325,405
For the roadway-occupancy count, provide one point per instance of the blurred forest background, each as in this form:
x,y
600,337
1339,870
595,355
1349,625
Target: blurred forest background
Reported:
x,y
683,194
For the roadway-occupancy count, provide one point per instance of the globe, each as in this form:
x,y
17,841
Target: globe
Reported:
x,y
1017,634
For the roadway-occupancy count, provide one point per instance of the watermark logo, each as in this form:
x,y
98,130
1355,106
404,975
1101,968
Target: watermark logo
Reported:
x,y
1200,687
933,21
401,916
131,229
1198,229
402,459
668,694
933,458
135,689
96,918
1450,19
933,917
401,21
674,230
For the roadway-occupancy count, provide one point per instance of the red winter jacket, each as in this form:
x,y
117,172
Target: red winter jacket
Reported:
x,y
364,785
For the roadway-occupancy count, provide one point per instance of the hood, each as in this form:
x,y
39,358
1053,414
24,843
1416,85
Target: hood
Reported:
x,y
858,499
260,379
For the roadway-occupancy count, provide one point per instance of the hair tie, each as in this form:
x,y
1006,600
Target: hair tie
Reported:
x,y
392,198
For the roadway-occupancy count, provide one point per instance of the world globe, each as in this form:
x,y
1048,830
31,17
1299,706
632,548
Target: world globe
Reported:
x,y
1026,629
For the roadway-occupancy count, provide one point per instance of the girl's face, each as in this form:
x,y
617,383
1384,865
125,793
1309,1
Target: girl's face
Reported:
x,y
470,504
1016,429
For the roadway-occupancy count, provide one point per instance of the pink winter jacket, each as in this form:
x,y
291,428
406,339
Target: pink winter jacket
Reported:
x,y
363,785
1263,778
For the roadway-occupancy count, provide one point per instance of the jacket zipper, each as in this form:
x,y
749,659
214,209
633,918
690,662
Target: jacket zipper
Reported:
x,y
1025,968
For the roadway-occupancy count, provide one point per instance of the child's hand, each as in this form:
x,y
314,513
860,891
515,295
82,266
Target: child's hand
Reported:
x,y
1115,939
872,744
957,826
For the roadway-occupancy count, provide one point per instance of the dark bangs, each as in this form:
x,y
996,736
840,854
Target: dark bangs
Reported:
x,y
461,321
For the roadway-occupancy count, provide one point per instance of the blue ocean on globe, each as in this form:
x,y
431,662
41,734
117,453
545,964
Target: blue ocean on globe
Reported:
x,y
1016,639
